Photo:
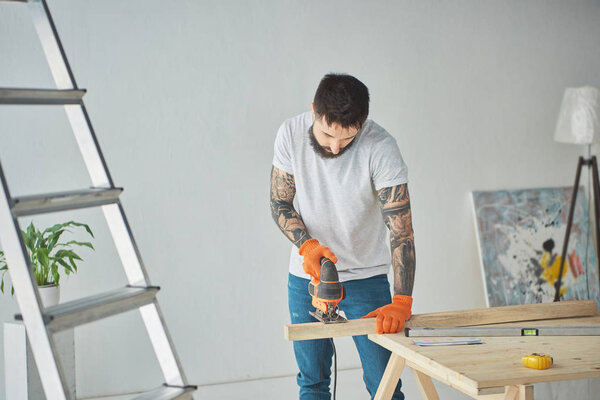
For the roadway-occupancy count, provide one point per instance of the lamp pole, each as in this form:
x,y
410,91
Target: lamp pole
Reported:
x,y
593,164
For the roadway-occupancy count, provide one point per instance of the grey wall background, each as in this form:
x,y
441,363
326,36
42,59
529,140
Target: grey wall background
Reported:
x,y
186,98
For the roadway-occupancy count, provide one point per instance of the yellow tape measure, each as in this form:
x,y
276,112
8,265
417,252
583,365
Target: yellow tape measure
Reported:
x,y
537,361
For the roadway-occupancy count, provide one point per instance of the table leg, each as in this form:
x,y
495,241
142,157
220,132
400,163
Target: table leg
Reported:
x,y
525,392
519,392
390,378
425,385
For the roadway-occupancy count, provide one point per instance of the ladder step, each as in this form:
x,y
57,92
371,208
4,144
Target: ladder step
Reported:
x,y
72,200
168,393
93,308
41,96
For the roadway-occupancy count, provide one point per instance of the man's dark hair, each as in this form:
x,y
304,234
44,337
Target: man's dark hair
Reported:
x,y
342,99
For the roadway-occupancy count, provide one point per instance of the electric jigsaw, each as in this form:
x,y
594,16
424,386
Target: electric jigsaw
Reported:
x,y
327,292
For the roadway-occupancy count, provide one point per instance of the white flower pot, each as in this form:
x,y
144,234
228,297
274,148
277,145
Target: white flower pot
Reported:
x,y
50,295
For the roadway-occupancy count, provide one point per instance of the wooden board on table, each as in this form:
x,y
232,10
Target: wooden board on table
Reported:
x,y
480,316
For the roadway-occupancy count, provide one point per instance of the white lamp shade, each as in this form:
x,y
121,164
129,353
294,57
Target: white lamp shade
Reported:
x,y
579,118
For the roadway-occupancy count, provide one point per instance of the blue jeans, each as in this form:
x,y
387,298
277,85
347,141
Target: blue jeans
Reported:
x,y
314,357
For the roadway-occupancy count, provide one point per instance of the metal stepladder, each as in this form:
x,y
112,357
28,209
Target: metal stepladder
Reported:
x,y
41,323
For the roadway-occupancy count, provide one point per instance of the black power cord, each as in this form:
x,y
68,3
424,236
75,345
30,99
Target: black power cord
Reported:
x,y
334,368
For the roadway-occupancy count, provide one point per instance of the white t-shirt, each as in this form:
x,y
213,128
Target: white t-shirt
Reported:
x,y
337,197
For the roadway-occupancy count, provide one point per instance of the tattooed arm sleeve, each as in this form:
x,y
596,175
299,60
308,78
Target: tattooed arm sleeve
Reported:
x,y
395,207
283,190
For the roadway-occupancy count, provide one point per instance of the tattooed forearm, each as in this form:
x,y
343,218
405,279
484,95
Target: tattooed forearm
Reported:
x,y
395,207
283,190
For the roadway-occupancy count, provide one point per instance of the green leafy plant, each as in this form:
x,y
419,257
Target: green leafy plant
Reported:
x,y
48,254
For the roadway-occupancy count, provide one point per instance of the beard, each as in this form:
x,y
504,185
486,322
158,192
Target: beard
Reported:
x,y
323,152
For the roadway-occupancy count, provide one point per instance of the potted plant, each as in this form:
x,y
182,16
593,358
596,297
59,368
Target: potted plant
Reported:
x,y
48,255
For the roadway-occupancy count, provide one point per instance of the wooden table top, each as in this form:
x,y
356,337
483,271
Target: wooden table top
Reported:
x,y
497,362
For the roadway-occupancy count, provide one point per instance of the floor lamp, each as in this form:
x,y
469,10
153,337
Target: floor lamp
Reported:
x,y
579,123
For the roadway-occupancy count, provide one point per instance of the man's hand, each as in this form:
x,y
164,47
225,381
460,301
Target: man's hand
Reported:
x,y
391,317
313,251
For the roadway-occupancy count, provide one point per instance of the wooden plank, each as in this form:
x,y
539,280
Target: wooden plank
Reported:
x,y
319,330
491,391
390,378
452,379
500,396
490,397
425,385
480,316
458,382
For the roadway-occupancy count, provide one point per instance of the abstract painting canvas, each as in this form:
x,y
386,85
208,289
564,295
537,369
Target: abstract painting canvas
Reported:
x,y
521,234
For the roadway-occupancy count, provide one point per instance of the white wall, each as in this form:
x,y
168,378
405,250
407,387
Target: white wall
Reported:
x,y
186,97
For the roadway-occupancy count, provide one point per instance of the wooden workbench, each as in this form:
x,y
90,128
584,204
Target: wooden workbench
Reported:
x,y
492,370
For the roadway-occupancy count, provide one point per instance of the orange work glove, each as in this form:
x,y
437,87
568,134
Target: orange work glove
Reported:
x,y
312,251
391,317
